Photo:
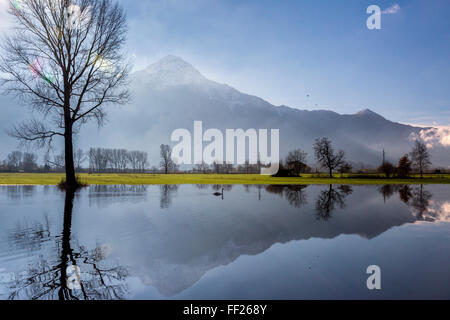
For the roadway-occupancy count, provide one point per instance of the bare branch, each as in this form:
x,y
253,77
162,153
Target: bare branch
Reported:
x,y
34,131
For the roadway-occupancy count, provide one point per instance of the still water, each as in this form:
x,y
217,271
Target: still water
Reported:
x,y
251,242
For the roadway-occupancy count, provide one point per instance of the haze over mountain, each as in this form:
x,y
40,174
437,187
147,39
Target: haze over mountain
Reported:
x,y
172,94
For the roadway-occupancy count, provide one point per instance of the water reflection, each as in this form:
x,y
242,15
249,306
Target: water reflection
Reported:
x,y
20,192
167,193
328,199
25,236
421,202
169,254
103,196
294,194
417,197
48,278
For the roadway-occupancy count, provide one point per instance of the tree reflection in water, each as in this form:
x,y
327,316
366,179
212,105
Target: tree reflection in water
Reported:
x,y
387,191
405,193
417,197
294,194
47,277
420,202
328,199
166,195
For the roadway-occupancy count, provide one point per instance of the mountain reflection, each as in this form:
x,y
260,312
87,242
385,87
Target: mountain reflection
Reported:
x,y
171,252
47,277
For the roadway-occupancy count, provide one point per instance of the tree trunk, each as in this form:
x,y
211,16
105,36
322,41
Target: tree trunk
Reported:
x,y
71,181
331,173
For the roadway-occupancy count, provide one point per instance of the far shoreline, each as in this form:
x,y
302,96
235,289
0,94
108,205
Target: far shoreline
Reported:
x,y
52,179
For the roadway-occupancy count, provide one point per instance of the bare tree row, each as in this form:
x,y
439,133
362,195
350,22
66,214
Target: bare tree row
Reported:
x,y
117,160
17,161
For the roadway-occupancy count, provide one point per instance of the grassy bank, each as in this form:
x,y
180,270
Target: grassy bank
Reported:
x,y
152,179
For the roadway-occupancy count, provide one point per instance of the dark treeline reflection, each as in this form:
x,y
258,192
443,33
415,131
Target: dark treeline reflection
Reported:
x,y
167,194
332,197
417,197
67,273
116,193
294,194
20,192
328,199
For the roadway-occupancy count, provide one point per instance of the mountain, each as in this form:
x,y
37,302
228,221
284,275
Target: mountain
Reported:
x,y
172,94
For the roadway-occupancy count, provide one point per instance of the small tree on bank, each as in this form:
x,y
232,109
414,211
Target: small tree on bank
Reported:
x,y
420,157
404,167
387,168
166,163
325,155
296,159
64,59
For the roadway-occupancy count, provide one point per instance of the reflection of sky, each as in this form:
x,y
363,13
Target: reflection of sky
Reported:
x,y
202,247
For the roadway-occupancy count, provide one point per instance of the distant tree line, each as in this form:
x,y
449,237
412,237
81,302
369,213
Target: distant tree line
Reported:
x,y
117,160
418,161
18,161
102,160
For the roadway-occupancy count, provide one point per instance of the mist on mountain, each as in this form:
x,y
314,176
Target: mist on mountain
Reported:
x,y
172,94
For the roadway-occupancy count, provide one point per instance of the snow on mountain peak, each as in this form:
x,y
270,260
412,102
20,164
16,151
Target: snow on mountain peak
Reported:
x,y
369,113
172,71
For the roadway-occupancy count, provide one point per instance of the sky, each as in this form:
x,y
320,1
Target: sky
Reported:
x,y
305,54
309,54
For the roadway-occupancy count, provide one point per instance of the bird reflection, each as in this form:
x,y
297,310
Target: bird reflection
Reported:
x,y
328,199
48,278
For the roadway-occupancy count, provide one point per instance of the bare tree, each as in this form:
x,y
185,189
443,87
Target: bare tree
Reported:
x,y
297,161
58,161
13,160
123,159
133,158
324,153
345,167
420,157
29,161
64,59
79,158
201,167
166,158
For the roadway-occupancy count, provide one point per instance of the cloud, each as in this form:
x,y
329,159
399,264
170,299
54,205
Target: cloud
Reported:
x,y
439,136
392,9
438,211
